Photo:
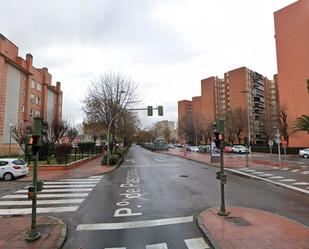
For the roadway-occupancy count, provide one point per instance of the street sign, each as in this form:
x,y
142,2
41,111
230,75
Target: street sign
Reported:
x,y
270,142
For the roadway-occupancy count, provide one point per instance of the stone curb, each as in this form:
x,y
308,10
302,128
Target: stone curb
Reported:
x,y
204,229
63,233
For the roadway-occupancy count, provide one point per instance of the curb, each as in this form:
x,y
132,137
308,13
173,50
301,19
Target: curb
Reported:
x,y
204,229
236,172
63,234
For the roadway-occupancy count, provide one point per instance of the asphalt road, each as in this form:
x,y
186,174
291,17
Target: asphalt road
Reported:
x,y
153,199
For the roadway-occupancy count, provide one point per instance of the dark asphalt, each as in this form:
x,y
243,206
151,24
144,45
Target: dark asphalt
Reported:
x,y
170,187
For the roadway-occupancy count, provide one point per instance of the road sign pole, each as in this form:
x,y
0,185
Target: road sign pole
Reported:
x,y
278,142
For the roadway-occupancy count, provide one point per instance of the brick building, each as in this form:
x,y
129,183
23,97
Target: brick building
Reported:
x,y
292,45
25,92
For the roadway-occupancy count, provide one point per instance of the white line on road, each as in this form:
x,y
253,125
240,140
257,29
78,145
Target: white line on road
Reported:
x,y
134,224
284,168
69,183
38,210
157,246
95,177
305,172
287,180
276,177
266,175
69,186
40,202
301,183
81,180
58,190
270,181
258,173
295,170
41,196
197,243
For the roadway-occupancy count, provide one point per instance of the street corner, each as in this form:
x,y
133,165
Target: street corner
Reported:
x,y
14,231
252,228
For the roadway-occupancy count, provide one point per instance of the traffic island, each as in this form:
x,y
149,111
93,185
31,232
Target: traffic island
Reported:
x,y
251,228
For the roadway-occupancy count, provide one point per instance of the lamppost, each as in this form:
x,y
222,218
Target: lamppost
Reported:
x,y
11,126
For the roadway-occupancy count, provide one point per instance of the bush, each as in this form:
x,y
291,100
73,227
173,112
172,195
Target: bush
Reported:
x,y
86,146
114,159
62,152
43,152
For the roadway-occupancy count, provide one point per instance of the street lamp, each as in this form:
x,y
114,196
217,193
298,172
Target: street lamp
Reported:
x,y
11,126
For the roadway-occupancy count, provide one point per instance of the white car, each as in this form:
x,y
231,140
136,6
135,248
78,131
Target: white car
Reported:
x,y
11,168
194,149
304,153
239,149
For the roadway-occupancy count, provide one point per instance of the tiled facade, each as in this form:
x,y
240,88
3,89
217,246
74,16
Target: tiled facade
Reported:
x,y
292,44
25,92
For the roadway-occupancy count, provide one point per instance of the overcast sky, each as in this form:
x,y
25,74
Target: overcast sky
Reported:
x,y
165,46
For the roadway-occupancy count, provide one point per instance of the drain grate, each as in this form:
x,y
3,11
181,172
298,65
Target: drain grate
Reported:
x,y
239,221
183,176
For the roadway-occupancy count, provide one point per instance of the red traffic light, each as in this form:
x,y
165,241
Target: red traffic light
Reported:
x,y
34,140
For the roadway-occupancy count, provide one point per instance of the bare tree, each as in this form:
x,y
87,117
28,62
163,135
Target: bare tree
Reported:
x,y
186,127
55,130
206,129
19,133
72,134
127,127
284,128
236,122
94,130
108,96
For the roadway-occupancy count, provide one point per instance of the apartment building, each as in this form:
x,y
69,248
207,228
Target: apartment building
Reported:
x,y
164,125
292,46
240,88
25,92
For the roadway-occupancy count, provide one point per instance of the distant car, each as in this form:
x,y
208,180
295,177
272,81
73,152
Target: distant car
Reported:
x,y
228,149
11,168
195,149
239,149
171,146
304,153
178,145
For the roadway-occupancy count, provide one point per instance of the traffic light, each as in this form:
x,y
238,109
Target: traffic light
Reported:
x,y
149,110
246,141
217,139
160,110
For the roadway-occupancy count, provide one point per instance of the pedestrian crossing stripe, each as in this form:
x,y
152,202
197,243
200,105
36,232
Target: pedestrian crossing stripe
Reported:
x,y
61,196
300,183
58,190
194,243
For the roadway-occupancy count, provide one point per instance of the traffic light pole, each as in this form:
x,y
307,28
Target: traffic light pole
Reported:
x,y
222,211
34,234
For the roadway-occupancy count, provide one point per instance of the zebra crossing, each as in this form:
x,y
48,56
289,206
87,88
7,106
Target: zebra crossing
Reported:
x,y
65,195
281,179
194,243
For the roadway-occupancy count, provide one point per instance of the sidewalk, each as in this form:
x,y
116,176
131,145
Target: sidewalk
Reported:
x,y
247,228
53,230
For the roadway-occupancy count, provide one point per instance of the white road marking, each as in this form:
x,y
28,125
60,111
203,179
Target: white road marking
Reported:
x,y
258,173
266,175
69,186
58,190
276,177
22,211
134,224
295,170
285,169
270,181
40,202
197,243
95,177
300,183
305,172
247,170
70,183
157,246
287,180
81,180
25,196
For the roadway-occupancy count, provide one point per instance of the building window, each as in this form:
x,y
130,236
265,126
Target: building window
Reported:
x,y
22,108
38,100
32,100
38,87
31,112
33,84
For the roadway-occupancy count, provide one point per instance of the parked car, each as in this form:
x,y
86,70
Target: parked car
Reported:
x,y
239,149
171,146
11,168
204,148
304,153
228,149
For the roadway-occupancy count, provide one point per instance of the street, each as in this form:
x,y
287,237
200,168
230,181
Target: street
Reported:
x,y
151,201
